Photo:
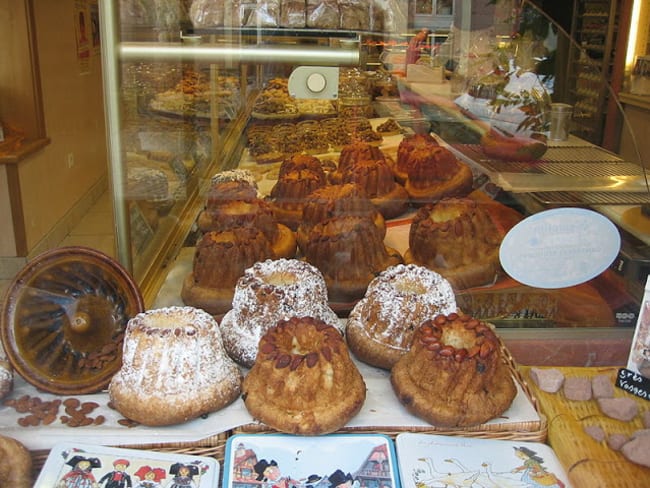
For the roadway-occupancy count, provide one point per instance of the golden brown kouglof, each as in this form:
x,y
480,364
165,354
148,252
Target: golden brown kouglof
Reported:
x,y
336,201
435,173
303,380
15,464
350,252
377,180
220,259
407,145
296,180
457,238
455,374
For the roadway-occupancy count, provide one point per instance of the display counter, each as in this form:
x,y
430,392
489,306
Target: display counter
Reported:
x,y
191,108
546,417
590,460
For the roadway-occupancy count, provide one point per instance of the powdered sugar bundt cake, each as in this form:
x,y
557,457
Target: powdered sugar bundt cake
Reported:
x,y
381,325
220,260
350,252
266,293
454,375
457,238
174,368
237,175
335,201
303,380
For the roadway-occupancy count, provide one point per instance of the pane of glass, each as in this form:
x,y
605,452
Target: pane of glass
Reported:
x,y
515,94
424,7
444,7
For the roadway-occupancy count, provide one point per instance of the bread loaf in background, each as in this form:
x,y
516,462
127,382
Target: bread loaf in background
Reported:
x,y
354,15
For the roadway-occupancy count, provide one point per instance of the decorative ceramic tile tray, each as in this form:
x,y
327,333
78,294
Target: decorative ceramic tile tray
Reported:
x,y
329,461
79,464
434,460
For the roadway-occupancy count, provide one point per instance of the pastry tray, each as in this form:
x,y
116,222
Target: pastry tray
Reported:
x,y
381,413
587,461
564,167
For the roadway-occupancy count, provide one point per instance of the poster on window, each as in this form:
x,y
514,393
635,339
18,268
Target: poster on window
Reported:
x,y
81,23
93,11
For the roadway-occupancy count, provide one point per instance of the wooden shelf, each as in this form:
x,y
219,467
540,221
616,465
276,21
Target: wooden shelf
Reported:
x,y
15,155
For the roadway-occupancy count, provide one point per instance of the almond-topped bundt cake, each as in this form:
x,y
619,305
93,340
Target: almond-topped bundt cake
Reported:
x,y
408,144
350,252
303,380
457,238
220,260
288,195
174,368
455,374
381,325
435,173
377,180
266,293
334,201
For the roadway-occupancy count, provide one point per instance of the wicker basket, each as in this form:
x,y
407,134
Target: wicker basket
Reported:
x,y
533,431
587,461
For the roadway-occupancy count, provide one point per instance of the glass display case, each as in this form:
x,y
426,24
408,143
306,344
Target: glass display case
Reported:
x,y
200,88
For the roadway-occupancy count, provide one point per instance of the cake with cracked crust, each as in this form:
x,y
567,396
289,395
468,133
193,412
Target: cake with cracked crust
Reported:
x,y
267,292
174,368
454,375
303,380
457,238
380,327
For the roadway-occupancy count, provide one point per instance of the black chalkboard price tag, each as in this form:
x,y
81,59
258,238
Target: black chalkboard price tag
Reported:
x,y
634,383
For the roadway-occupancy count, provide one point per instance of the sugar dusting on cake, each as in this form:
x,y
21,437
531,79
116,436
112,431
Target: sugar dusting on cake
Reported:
x,y
268,292
235,175
398,300
175,352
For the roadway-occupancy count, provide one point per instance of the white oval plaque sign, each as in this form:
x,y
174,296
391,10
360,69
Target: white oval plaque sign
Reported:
x,y
559,248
